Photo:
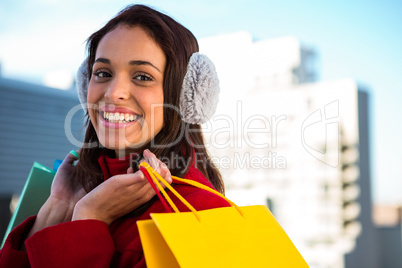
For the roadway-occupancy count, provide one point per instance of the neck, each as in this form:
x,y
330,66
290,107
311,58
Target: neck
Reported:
x,y
120,153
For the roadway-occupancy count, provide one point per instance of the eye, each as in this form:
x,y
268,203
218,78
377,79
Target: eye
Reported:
x,y
102,74
143,77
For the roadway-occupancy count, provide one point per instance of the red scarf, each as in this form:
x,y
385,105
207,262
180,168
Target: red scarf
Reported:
x,y
114,166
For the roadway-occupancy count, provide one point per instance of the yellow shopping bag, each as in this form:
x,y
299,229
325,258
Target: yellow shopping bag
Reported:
x,y
223,237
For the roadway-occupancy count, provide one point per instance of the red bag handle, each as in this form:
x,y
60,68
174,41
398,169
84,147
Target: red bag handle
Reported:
x,y
167,208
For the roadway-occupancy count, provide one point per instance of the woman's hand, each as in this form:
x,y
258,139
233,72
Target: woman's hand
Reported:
x,y
64,194
120,194
65,187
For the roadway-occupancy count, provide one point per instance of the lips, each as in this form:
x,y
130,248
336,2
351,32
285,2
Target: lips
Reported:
x,y
116,117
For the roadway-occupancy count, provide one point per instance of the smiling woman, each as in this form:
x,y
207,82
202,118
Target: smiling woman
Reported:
x,y
127,82
146,90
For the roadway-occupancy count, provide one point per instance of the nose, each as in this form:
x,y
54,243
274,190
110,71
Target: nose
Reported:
x,y
118,90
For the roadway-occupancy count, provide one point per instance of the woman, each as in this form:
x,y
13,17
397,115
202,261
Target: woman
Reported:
x,y
132,90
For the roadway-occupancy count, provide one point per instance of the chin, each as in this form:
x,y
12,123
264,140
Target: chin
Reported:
x,y
118,144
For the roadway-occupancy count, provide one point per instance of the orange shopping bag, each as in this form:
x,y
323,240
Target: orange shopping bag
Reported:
x,y
233,236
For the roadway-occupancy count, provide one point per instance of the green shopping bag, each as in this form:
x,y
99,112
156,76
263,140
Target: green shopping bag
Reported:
x,y
34,194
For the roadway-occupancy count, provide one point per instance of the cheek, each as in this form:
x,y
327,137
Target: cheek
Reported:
x,y
161,121
92,96
96,93
92,99
158,113
154,114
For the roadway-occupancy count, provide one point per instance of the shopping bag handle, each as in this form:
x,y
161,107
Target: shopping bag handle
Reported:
x,y
158,193
155,178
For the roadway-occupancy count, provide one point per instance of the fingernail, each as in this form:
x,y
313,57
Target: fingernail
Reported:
x,y
75,154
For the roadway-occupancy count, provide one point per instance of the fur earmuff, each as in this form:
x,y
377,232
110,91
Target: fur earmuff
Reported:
x,y
200,92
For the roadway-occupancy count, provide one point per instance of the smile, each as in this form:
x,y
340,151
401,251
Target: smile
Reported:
x,y
119,117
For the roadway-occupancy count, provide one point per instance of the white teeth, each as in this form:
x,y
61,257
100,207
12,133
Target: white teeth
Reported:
x,y
119,117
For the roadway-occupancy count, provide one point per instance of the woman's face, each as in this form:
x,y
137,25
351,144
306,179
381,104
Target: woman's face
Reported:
x,y
125,93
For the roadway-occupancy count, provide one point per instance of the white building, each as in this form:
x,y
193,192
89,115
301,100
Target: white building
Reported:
x,y
297,146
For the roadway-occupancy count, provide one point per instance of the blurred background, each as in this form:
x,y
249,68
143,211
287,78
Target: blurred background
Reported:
x,y
307,122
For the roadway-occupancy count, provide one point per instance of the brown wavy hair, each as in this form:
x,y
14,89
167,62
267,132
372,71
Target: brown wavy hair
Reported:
x,y
177,140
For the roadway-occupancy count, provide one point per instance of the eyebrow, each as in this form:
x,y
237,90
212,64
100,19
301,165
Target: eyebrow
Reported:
x,y
133,62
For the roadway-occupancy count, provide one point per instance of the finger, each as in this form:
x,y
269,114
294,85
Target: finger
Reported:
x,y
146,161
165,173
130,170
70,158
145,192
148,191
151,193
161,168
130,178
151,185
158,165
146,153
140,175
152,160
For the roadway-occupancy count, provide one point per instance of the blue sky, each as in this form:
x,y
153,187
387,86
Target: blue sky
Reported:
x,y
354,39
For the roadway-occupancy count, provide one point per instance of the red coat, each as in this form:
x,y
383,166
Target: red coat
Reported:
x,y
92,243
